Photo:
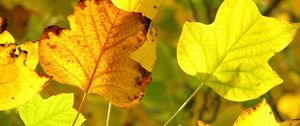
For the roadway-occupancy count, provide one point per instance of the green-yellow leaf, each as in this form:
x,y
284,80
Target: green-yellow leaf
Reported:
x,y
261,115
148,7
54,111
231,55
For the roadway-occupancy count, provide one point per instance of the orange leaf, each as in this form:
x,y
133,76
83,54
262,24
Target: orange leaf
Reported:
x,y
95,55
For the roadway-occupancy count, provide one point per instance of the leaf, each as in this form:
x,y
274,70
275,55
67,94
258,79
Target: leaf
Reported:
x,y
231,55
202,123
18,83
261,115
94,55
54,111
289,104
148,7
33,56
5,36
148,49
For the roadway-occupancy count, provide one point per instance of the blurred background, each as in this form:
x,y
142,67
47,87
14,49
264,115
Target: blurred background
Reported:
x,y
170,86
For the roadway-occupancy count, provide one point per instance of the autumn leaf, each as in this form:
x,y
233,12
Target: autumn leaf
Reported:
x,y
231,55
18,82
261,115
54,111
147,7
148,49
95,54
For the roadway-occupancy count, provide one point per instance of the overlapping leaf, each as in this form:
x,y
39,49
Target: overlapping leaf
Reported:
x,y
95,54
148,7
18,82
54,111
231,55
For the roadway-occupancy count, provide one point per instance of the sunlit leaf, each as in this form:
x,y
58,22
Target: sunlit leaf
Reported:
x,y
148,7
18,83
289,105
261,115
202,123
146,54
95,55
231,55
54,111
33,56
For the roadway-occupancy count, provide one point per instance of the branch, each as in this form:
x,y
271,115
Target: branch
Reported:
x,y
272,6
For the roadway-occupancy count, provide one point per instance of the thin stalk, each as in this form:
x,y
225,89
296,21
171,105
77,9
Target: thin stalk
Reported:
x,y
270,101
108,114
79,109
184,104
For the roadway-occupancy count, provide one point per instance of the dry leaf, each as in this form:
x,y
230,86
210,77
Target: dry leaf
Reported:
x,y
94,54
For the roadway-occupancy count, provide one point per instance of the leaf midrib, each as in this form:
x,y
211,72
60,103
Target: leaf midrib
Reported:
x,y
101,50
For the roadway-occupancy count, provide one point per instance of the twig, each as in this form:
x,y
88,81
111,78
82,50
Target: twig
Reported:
x,y
108,114
184,104
272,6
270,101
79,109
194,10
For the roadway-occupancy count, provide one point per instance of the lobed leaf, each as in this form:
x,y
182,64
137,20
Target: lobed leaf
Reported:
x,y
231,55
95,54
54,111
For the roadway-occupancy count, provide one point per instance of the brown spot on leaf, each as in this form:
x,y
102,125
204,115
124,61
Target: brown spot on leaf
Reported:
x,y
154,6
12,98
53,29
130,99
81,4
146,78
12,53
270,113
135,97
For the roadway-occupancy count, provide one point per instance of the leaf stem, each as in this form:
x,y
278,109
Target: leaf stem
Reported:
x,y
184,104
108,114
270,101
79,109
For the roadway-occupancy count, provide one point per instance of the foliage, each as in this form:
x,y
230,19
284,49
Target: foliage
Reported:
x,y
73,54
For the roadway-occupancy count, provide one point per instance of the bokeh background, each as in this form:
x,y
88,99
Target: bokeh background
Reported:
x,y
170,86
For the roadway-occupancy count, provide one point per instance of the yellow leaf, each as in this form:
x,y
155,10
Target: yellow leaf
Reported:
x,y
289,105
148,7
231,55
146,54
202,123
5,36
18,83
33,56
96,55
261,115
